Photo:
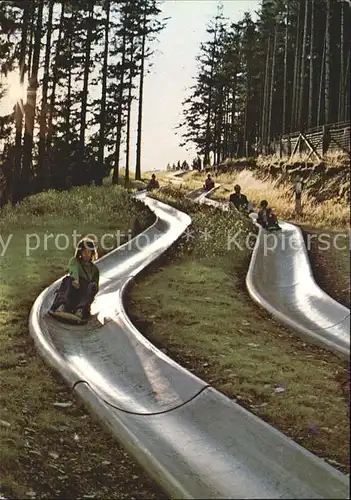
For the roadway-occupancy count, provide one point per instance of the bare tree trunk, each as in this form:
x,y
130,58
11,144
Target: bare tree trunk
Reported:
x,y
15,195
140,103
65,177
215,130
228,141
302,72
299,63
296,72
310,93
31,35
225,125
341,87
219,128
43,175
55,79
215,126
265,97
246,112
272,83
208,123
285,67
99,174
327,65
347,90
232,114
115,177
209,106
69,92
83,114
321,87
26,178
129,109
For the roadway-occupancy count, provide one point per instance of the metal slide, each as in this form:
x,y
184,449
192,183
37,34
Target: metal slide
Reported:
x,y
281,280
194,441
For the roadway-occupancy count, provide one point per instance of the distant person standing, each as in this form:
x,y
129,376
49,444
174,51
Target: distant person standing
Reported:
x,y
199,164
298,193
209,184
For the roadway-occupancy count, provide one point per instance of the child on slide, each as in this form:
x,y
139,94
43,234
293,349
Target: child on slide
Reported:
x,y
267,218
78,289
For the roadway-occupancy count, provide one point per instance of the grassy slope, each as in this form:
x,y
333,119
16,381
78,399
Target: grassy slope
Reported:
x,y
55,452
330,263
324,180
199,311
330,213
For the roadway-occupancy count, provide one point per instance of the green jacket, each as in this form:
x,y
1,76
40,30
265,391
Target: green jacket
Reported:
x,y
80,269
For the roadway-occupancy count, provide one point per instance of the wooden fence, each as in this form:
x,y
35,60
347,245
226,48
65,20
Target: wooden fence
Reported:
x,y
315,142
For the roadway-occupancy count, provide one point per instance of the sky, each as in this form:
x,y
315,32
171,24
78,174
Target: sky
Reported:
x,y
167,84
171,75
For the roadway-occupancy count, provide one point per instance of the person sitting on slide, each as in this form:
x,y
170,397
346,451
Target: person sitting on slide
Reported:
x,y
267,218
79,287
209,184
153,183
238,199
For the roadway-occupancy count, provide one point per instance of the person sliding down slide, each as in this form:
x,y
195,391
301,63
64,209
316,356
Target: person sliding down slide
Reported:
x,y
153,183
78,289
267,218
240,201
209,184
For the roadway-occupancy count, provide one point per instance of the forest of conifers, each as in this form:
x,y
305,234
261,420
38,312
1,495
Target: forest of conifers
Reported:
x,y
84,62
287,71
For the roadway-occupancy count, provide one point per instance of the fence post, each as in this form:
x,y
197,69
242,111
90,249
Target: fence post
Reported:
x,y
326,139
289,146
300,145
281,146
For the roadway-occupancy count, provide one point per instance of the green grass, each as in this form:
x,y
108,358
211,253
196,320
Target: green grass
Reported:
x,y
55,452
197,308
330,263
